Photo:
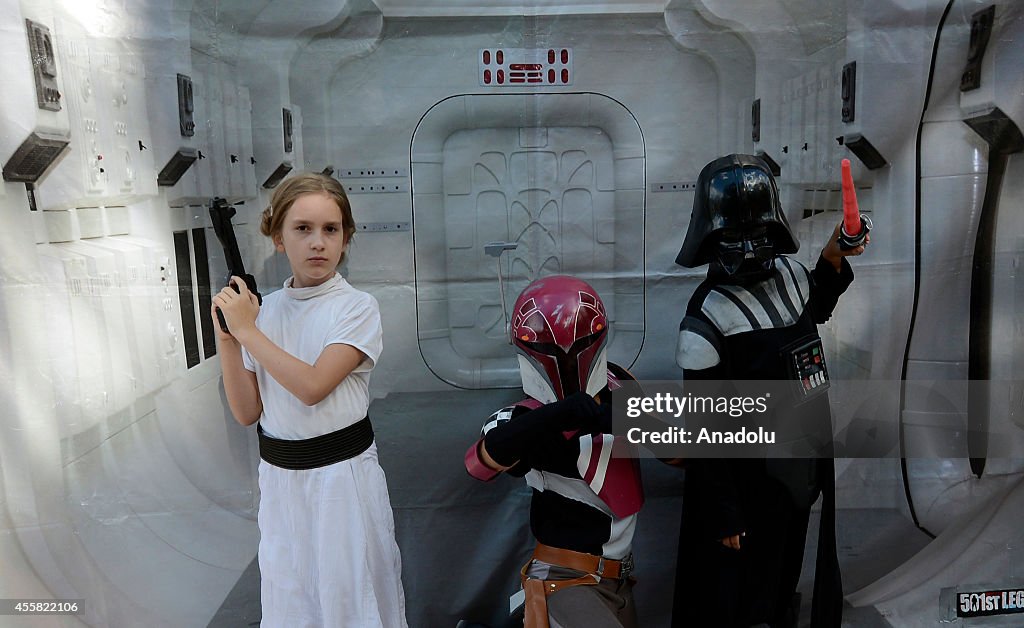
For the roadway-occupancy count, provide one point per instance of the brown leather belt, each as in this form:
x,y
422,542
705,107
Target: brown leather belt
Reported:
x,y
587,563
537,591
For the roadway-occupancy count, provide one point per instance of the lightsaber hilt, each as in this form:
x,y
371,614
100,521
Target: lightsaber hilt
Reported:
x,y
847,241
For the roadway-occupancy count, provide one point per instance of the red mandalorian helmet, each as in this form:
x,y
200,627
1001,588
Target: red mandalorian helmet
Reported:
x,y
560,331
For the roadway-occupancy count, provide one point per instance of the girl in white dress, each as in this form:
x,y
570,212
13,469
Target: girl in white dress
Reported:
x,y
300,365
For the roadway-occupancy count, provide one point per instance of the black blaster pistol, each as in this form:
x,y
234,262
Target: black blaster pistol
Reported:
x,y
221,213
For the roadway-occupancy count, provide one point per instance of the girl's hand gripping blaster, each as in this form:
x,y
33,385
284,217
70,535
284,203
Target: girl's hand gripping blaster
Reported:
x,y
855,227
220,215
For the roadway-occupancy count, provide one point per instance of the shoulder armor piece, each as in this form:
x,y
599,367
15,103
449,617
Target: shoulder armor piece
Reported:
x,y
698,346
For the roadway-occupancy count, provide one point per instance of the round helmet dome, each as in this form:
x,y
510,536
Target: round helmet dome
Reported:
x,y
739,193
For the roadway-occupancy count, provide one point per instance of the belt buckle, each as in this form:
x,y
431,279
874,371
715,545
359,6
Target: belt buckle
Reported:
x,y
626,566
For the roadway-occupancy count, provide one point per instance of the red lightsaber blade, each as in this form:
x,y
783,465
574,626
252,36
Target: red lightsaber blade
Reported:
x,y
855,227
851,213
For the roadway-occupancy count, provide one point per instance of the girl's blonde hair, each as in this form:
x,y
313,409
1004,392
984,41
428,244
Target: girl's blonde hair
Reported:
x,y
301,184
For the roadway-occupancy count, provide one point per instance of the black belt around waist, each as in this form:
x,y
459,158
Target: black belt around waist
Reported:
x,y
319,451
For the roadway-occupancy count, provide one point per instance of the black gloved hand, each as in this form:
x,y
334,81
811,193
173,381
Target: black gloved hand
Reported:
x,y
509,442
582,412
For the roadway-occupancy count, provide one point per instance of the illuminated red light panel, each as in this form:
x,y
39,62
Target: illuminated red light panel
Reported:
x,y
518,67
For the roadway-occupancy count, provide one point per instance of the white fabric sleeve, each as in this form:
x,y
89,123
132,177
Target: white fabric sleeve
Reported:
x,y
360,327
247,361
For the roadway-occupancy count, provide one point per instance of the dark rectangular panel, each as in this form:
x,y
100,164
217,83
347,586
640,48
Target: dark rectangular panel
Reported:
x,y
185,299
848,92
186,106
755,121
44,65
286,125
981,32
205,296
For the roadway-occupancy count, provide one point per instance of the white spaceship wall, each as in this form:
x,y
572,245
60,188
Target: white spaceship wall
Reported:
x,y
125,482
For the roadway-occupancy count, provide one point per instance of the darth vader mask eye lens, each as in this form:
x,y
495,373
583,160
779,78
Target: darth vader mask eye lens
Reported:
x,y
739,236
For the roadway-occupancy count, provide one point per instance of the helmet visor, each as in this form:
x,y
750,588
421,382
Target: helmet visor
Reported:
x,y
571,368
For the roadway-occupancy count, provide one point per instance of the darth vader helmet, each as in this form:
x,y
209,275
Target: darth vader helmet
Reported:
x,y
737,224
560,331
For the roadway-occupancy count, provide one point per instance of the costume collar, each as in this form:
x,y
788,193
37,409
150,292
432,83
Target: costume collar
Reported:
x,y
336,282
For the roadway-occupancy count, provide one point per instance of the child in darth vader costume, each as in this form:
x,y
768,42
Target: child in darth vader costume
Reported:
x,y
585,500
744,521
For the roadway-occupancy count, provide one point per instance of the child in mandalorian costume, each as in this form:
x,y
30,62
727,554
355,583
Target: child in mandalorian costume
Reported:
x,y
744,521
585,500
